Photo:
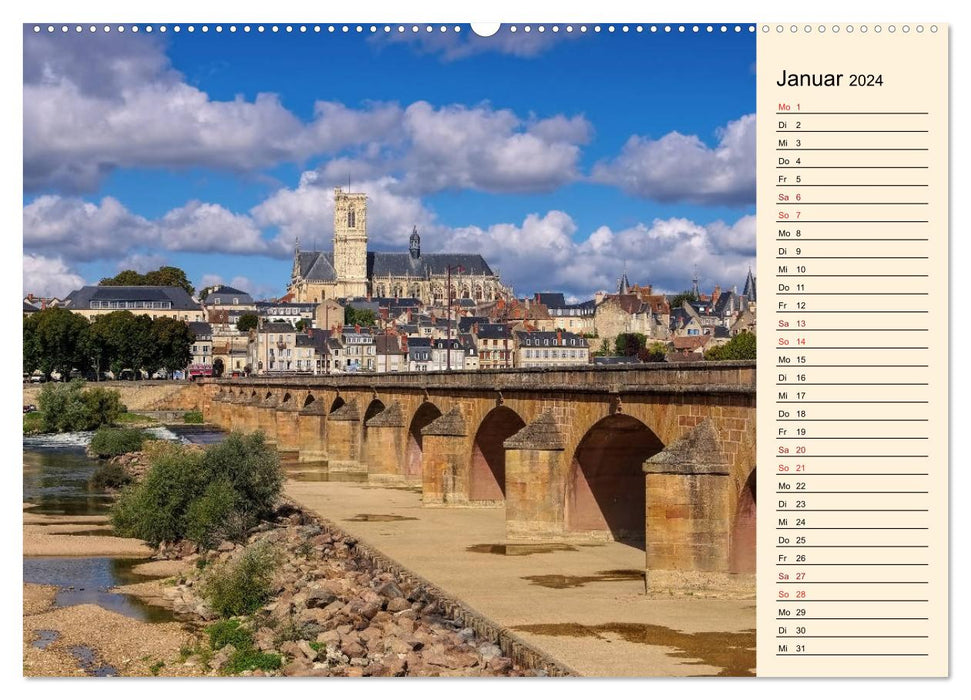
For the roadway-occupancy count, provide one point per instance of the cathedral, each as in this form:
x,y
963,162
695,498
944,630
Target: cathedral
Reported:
x,y
352,271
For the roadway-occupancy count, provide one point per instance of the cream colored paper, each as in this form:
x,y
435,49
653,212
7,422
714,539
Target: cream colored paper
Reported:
x,y
852,263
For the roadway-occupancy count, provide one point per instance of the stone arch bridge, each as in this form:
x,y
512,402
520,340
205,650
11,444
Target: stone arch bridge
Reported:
x,y
661,457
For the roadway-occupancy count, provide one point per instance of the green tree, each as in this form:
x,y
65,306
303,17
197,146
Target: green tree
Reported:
x,y
358,317
247,322
125,278
168,276
70,407
678,300
655,352
218,367
741,347
629,344
54,342
172,340
165,276
301,325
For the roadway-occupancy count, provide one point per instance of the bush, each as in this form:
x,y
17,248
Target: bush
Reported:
x,y
33,423
208,516
243,585
192,417
110,476
104,405
111,442
207,496
70,407
741,347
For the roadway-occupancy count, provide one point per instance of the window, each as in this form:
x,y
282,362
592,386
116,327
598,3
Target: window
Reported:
x,y
351,218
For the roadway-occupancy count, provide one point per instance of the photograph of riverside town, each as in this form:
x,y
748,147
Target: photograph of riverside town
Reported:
x,y
375,352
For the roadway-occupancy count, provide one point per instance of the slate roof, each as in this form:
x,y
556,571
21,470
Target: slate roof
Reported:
x,y
179,298
201,329
225,296
277,327
30,308
551,299
493,330
466,322
550,338
319,267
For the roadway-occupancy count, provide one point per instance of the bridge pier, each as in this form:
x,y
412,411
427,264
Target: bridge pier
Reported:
x,y
384,449
266,416
689,504
534,481
344,439
445,461
311,424
287,425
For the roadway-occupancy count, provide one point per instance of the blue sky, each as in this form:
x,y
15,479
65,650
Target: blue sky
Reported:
x,y
562,158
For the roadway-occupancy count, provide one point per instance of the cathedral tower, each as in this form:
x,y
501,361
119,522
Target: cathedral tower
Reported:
x,y
350,242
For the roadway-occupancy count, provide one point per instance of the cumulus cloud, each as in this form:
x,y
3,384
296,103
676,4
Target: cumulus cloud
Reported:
x,y
543,253
49,276
95,103
307,212
83,231
453,46
682,168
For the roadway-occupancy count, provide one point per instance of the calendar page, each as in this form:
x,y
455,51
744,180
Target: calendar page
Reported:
x,y
431,349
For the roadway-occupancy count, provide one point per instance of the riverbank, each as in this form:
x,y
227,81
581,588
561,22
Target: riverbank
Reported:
x,y
333,612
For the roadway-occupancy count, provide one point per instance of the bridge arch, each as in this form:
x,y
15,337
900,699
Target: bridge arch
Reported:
x,y
309,400
487,471
743,529
605,489
426,413
337,403
373,409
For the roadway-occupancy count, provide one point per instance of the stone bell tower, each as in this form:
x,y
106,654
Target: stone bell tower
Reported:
x,y
350,242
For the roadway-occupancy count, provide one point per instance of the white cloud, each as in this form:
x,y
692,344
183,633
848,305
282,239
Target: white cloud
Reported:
x,y
80,230
307,212
453,46
681,168
49,276
542,253
96,103
206,228
141,262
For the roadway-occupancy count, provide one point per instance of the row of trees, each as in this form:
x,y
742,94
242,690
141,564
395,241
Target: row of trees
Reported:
x,y
57,340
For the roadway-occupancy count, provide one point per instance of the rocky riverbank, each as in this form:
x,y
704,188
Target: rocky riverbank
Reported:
x,y
333,614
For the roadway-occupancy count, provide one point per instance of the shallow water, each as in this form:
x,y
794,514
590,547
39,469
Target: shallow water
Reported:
x,y
84,580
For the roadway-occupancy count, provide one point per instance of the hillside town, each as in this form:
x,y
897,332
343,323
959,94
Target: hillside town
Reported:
x,y
358,311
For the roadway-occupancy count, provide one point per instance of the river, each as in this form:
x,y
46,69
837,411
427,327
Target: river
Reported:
x,y
57,475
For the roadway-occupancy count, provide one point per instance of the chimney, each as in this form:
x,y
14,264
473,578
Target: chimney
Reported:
x,y
559,337
357,327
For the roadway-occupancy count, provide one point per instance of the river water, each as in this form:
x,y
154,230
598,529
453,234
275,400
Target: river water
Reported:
x,y
56,479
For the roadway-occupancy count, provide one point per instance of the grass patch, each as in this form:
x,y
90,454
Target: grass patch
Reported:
x,y
111,442
192,417
156,667
133,419
243,585
33,423
246,657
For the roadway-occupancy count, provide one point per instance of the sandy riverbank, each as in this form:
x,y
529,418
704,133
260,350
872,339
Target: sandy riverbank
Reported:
x,y
132,647
42,541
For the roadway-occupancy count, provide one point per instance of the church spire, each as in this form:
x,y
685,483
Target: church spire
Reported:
x,y
623,284
414,244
